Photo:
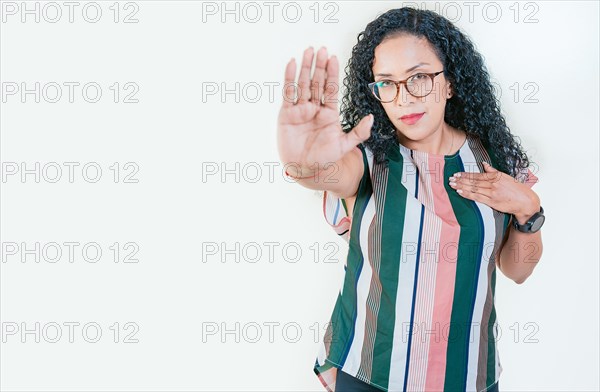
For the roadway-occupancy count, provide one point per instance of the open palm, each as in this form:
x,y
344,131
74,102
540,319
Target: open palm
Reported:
x,y
309,130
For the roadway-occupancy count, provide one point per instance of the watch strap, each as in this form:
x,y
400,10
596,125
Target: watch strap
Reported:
x,y
526,227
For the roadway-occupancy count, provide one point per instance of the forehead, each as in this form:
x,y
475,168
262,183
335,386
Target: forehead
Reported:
x,y
397,54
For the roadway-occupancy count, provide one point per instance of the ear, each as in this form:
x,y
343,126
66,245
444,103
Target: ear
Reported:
x,y
450,93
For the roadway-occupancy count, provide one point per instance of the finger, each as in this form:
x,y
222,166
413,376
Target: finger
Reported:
x,y
457,183
331,88
318,80
474,193
471,181
489,177
288,88
304,78
360,133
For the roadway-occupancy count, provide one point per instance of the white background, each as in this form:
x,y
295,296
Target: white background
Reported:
x,y
176,132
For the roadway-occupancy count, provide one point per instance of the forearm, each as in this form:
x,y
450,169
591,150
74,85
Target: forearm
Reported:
x,y
341,177
520,254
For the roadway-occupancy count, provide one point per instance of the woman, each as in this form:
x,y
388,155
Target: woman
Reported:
x,y
426,182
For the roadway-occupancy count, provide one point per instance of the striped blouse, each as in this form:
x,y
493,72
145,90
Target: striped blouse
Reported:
x,y
416,309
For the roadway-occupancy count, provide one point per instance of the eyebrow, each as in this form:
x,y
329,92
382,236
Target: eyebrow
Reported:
x,y
407,71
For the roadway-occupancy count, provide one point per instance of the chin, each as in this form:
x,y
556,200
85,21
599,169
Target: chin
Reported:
x,y
414,134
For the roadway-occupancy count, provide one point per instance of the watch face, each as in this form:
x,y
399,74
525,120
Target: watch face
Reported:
x,y
535,226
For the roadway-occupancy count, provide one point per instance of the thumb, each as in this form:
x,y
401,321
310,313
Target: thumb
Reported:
x,y
360,133
488,168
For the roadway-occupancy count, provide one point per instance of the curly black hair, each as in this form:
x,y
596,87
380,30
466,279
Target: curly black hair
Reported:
x,y
473,108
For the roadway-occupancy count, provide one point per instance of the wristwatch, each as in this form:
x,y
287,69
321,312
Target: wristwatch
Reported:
x,y
533,224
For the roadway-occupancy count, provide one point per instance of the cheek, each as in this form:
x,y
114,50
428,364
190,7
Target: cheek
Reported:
x,y
436,110
436,106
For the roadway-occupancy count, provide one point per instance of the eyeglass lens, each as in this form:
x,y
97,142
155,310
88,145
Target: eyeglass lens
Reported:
x,y
418,85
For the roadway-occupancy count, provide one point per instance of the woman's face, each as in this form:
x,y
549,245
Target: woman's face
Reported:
x,y
399,58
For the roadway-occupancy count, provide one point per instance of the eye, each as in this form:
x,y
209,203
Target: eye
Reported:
x,y
385,83
419,76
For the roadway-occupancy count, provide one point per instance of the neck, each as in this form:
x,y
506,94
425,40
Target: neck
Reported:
x,y
442,142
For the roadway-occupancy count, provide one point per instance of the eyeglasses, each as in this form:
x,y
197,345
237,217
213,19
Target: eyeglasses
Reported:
x,y
418,85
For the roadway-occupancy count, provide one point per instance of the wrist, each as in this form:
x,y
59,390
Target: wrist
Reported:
x,y
296,172
527,211
303,174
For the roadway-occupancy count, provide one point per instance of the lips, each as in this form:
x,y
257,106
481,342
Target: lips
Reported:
x,y
411,119
413,115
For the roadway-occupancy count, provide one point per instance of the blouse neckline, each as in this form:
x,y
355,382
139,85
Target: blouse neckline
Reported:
x,y
439,156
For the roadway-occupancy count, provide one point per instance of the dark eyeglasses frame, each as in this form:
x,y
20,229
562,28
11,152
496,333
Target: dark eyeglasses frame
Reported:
x,y
404,82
